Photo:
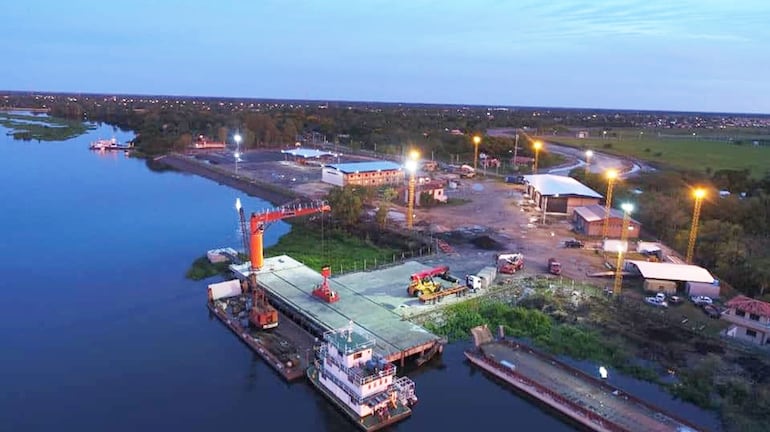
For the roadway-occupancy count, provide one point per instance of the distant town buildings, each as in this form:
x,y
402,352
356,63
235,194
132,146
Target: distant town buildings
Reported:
x,y
203,143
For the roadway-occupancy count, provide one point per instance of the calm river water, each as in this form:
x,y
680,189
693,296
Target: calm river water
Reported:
x,y
100,330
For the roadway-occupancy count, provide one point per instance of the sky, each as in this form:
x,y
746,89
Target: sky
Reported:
x,y
679,55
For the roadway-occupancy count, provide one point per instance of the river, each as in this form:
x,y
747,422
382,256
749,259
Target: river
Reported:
x,y
101,331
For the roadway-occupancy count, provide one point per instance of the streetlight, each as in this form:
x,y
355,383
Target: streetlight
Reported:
x,y
627,209
699,194
589,153
237,139
411,166
611,176
476,142
537,145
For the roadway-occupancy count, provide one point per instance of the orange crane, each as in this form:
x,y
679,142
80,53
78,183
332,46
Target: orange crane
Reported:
x,y
263,315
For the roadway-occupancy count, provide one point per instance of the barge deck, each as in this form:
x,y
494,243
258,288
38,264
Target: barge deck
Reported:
x,y
287,348
289,285
587,400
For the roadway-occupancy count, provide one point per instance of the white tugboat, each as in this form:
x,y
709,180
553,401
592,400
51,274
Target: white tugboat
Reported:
x,y
361,383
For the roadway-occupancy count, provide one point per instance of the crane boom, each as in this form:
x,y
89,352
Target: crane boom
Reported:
x,y
259,220
263,315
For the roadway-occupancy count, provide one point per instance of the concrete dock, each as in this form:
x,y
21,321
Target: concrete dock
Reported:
x,y
370,299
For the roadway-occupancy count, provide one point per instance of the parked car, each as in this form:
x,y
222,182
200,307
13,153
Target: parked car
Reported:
x,y
701,300
675,300
712,311
573,243
659,300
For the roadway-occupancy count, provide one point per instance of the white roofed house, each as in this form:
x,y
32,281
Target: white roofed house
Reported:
x,y
559,194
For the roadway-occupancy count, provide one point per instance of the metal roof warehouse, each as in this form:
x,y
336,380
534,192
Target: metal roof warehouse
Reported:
x,y
559,194
670,271
308,153
552,185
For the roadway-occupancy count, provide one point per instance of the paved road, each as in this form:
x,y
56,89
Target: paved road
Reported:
x,y
600,162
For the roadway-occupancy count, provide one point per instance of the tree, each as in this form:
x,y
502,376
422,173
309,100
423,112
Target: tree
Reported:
x,y
382,215
346,204
389,194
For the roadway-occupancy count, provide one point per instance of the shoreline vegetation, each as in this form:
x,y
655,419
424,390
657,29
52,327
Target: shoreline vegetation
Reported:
x,y
692,365
29,127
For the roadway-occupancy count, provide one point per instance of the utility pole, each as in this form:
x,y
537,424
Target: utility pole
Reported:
x,y
516,153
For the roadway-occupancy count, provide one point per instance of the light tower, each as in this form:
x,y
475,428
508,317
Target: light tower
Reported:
x,y
611,176
627,209
537,145
699,194
411,167
589,153
476,142
237,155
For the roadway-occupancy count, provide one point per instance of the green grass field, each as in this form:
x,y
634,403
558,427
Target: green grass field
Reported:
x,y
682,151
335,248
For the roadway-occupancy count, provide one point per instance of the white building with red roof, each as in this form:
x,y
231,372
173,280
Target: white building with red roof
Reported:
x,y
749,318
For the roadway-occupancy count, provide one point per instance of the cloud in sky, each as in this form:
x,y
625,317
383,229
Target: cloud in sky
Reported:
x,y
681,55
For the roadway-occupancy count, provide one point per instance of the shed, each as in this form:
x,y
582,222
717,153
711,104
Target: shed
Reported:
x,y
669,271
656,285
702,289
589,220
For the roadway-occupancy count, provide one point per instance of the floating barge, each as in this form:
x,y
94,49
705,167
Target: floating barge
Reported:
x,y
584,399
362,296
287,348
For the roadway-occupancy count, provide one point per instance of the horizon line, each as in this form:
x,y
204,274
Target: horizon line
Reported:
x,y
432,104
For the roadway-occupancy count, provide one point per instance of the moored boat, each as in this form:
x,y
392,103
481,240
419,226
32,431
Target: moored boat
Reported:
x,y
359,382
109,144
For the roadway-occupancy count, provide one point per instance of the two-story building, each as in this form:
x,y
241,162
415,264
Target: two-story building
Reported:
x,y
374,173
749,319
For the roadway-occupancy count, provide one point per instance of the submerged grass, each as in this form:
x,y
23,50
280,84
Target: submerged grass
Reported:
x,y
29,127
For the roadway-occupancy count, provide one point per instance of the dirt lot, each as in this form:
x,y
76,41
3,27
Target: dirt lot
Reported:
x,y
501,211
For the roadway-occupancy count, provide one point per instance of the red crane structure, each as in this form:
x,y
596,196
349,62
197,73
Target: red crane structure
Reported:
x,y
263,315
322,290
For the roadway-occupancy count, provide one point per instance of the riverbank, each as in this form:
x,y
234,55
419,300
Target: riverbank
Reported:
x,y
267,191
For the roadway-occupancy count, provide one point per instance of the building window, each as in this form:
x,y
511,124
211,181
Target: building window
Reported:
x,y
740,313
358,355
754,317
751,333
